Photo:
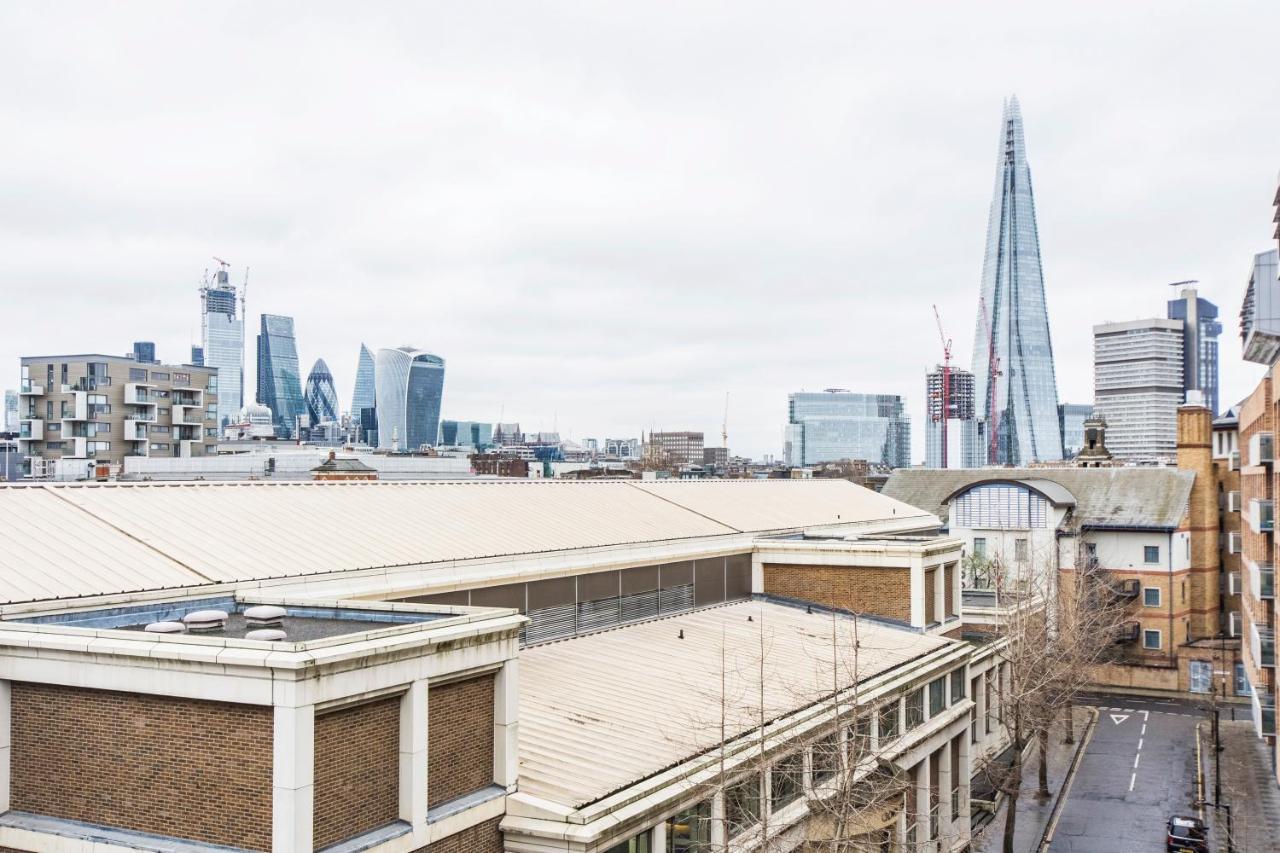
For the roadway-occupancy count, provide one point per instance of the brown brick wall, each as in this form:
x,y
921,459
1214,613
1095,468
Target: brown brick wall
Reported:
x,y
459,738
178,767
949,572
877,591
357,770
482,838
930,589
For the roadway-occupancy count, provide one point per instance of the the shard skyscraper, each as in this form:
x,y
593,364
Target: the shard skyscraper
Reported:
x,y
1014,385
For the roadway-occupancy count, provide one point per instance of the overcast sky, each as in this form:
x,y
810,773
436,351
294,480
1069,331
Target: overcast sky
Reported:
x,y
605,216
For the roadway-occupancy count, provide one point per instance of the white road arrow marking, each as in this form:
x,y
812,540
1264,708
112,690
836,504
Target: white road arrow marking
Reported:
x,y
1119,718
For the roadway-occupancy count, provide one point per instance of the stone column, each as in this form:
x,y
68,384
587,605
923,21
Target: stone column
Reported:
x,y
293,779
658,838
506,725
944,795
922,803
6,742
718,828
413,754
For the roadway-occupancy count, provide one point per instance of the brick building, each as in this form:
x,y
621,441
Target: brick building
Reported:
x,y
443,618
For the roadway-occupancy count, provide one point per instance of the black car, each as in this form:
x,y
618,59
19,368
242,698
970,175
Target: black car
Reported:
x,y
1187,835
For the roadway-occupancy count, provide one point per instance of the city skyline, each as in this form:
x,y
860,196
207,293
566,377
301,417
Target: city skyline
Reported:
x,y
744,195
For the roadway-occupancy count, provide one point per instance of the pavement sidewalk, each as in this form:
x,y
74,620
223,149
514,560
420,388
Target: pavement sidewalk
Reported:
x,y
1247,786
1033,811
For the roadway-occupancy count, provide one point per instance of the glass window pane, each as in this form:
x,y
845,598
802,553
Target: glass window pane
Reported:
x,y
690,831
742,805
786,780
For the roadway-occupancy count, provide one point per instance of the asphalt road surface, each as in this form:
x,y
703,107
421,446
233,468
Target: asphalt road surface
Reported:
x,y
1139,769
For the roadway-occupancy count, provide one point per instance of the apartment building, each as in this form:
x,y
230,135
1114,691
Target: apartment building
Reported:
x,y
79,413
675,448
489,686
1156,531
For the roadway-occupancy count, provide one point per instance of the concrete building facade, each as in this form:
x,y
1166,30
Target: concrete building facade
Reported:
x,y
1138,386
101,409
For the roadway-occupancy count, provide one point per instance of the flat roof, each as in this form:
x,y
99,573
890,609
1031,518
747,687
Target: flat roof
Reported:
x,y
649,697
67,541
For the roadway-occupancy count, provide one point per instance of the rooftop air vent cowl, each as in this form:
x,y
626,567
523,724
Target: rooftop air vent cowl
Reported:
x,y
269,634
264,616
164,628
204,621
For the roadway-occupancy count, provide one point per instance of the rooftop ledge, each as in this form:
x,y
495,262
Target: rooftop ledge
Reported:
x,y
317,631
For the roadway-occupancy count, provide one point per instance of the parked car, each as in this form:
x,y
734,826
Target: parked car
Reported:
x,y
1187,835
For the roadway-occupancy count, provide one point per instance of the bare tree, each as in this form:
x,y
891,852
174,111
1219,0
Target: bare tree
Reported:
x,y
1059,627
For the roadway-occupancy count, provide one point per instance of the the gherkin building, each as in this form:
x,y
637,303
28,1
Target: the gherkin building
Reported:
x,y
1020,413
321,396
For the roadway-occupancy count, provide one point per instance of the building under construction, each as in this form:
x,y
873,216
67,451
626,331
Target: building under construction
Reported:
x,y
952,432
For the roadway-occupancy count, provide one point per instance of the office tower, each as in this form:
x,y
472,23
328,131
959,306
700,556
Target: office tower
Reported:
x,y
1137,387
1018,399
10,410
279,385
409,387
1071,418
197,355
676,448
824,426
963,447
144,352
363,396
321,397
222,341
466,434
1200,330
103,408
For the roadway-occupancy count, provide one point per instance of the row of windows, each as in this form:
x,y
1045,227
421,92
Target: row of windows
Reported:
x,y
744,800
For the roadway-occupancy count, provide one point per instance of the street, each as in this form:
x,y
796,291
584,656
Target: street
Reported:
x,y
1139,769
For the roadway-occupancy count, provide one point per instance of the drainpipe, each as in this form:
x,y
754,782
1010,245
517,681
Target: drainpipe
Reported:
x,y
1173,657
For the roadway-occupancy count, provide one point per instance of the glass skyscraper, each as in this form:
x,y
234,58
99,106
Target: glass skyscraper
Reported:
x,y
1012,328
279,386
409,388
321,396
1200,330
222,342
835,424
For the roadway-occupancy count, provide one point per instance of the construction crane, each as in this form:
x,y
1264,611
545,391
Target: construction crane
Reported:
x,y
724,424
993,372
942,410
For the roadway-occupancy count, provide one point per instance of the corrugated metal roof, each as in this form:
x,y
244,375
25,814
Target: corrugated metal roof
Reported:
x,y
229,532
1105,497
649,699
50,549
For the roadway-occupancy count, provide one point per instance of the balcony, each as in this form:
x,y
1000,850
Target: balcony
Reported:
x,y
1126,590
1266,582
134,431
142,416
1266,647
28,388
1262,515
31,429
138,394
1266,713
1128,632
1261,448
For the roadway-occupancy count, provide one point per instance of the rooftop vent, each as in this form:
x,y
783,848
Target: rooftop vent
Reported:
x,y
264,616
265,634
164,628
204,621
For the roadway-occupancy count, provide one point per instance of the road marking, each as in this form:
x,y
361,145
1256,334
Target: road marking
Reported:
x,y
1132,779
1144,729
1128,710
1139,744
1145,716
1119,718
1136,757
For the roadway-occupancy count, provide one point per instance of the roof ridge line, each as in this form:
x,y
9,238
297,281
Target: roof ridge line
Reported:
x,y
128,535
636,485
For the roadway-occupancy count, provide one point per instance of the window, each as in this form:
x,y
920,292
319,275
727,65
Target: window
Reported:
x,y
211,432
1151,639
159,429
889,722
825,760
979,546
1151,596
937,696
860,737
1020,550
163,377
137,374
182,379
54,445
637,844
162,410
957,685
1151,554
1091,553
1200,676
742,806
54,427
159,446
64,374
915,708
160,392
97,446
786,780
690,830
1243,688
